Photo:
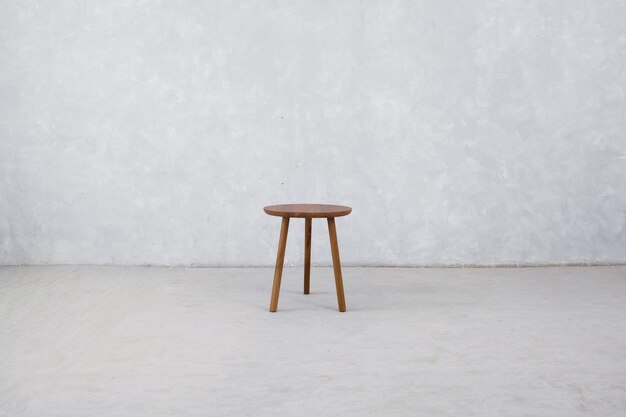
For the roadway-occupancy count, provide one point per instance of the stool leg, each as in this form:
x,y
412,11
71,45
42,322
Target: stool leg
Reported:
x,y
307,254
280,257
334,247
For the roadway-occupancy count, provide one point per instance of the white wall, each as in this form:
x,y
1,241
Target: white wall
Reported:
x,y
472,132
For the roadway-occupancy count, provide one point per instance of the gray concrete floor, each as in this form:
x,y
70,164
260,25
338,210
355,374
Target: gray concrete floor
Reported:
x,y
130,341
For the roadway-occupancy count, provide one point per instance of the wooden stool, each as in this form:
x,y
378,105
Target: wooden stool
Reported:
x,y
308,212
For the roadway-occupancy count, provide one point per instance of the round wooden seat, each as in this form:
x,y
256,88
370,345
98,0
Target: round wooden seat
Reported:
x,y
307,210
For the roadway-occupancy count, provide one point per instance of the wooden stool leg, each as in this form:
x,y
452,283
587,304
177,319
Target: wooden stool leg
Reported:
x,y
334,247
280,257
307,254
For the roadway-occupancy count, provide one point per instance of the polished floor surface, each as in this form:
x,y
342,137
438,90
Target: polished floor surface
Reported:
x,y
133,341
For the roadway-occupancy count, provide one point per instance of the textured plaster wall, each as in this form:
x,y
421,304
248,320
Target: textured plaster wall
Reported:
x,y
461,132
